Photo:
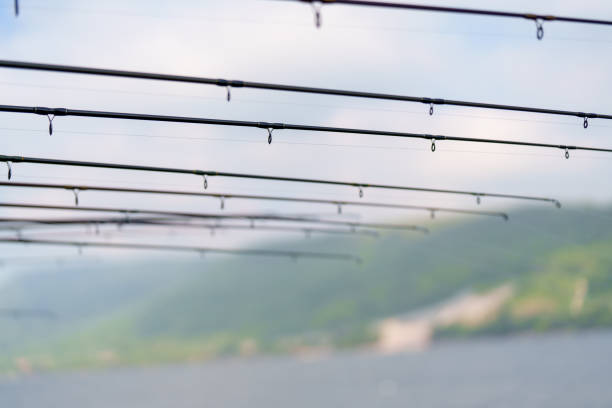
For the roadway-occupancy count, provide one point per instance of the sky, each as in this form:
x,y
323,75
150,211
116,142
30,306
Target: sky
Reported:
x,y
402,52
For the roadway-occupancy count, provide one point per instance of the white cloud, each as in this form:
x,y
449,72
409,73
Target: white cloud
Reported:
x,y
419,54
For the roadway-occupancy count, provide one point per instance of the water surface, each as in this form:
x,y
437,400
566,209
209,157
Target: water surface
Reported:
x,y
560,370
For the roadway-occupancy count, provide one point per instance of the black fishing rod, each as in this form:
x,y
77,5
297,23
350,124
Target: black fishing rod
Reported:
x,y
210,173
20,224
77,189
51,113
275,228
537,18
19,313
228,84
174,214
202,250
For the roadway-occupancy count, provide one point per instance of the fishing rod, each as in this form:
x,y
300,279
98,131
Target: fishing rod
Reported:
x,y
19,223
27,223
173,214
537,18
77,189
228,84
210,173
202,250
18,313
20,260
306,230
51,113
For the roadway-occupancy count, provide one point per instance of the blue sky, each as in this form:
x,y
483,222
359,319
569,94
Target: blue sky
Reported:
x,y
414,53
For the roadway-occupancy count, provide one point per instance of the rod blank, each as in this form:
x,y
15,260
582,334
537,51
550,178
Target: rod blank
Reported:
x,y
293,88
19,313
210,173
20,224
51,113
174,214
249,252
276,228
460,10
538,18
80,188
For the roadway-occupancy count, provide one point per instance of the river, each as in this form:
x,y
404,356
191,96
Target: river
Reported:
x,y
553,370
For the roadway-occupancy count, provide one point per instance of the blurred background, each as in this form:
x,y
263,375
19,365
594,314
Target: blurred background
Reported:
x,y
478,312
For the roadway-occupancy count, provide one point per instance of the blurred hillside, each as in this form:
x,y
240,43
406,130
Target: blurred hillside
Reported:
x,y
559,263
